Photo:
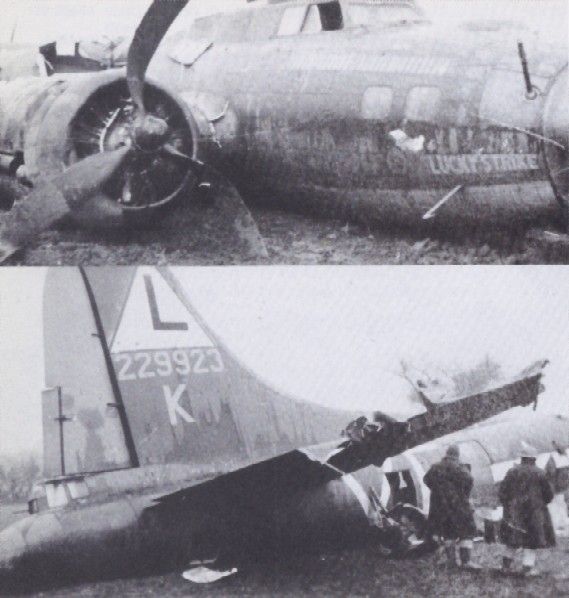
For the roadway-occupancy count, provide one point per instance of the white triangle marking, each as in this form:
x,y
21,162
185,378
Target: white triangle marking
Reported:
x,y
154,318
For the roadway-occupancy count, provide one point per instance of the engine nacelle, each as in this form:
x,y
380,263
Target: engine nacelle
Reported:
x,y
48,124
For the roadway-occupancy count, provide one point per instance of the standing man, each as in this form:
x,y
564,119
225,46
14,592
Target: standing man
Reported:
x,y
525,493
450,513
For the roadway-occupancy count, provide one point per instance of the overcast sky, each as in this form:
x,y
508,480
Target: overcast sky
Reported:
x,y
46,20
334,336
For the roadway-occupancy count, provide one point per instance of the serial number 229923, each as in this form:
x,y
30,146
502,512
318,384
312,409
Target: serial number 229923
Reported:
x,y
152,364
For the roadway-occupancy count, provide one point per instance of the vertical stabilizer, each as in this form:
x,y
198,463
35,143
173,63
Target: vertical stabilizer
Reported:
x,y
187,398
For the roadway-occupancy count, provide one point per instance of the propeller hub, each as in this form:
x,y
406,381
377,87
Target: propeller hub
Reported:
x,y
150,133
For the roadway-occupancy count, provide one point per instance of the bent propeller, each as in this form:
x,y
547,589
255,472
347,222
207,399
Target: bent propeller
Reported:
x,y
78,189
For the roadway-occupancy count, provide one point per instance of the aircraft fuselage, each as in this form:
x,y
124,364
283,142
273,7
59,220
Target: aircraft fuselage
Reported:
x,y
109,529
391,118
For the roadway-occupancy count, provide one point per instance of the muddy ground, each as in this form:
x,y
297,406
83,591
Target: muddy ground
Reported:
x,y
352,572
197,236
356,572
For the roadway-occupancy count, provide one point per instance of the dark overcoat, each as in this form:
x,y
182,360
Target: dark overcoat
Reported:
x,y
450,513
525,493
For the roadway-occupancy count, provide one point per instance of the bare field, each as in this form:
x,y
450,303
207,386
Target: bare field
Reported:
x,y
199,237
360,572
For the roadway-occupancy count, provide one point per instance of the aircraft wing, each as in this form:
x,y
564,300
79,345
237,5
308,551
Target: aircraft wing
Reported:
x,y
441,419
259,484
271,482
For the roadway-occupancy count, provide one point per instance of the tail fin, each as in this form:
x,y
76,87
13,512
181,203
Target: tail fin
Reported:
x,y
182,395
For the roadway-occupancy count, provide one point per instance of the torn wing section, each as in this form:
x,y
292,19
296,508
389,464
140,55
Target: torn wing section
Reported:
x,y
387,438
324,494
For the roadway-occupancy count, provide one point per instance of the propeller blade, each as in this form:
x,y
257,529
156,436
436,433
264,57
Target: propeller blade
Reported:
x,y
86,177
236,215
147,38
30,216
72,190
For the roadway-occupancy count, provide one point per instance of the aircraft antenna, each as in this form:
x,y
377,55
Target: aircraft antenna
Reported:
x,y
531,90
119,403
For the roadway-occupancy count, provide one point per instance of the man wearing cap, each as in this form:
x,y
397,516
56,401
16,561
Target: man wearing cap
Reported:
x,y
450,513
525,493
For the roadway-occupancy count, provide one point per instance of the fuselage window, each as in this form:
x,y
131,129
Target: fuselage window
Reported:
x,y
423,104
376,103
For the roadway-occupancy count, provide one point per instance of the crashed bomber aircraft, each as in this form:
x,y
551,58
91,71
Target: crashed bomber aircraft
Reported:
x,y
161,447
364,105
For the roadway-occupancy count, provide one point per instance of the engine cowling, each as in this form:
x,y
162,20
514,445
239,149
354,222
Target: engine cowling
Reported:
x,y
48,124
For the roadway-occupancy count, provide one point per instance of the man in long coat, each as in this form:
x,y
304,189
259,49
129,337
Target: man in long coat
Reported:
x,y
525,493
450,513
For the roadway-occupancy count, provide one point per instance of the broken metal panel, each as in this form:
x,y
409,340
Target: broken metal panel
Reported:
x,y
445,418
441,419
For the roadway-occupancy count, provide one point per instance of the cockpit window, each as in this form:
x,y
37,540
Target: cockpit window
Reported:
x,y
312,22
56,495
78,488
292,21
371,15
326,16
331,16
